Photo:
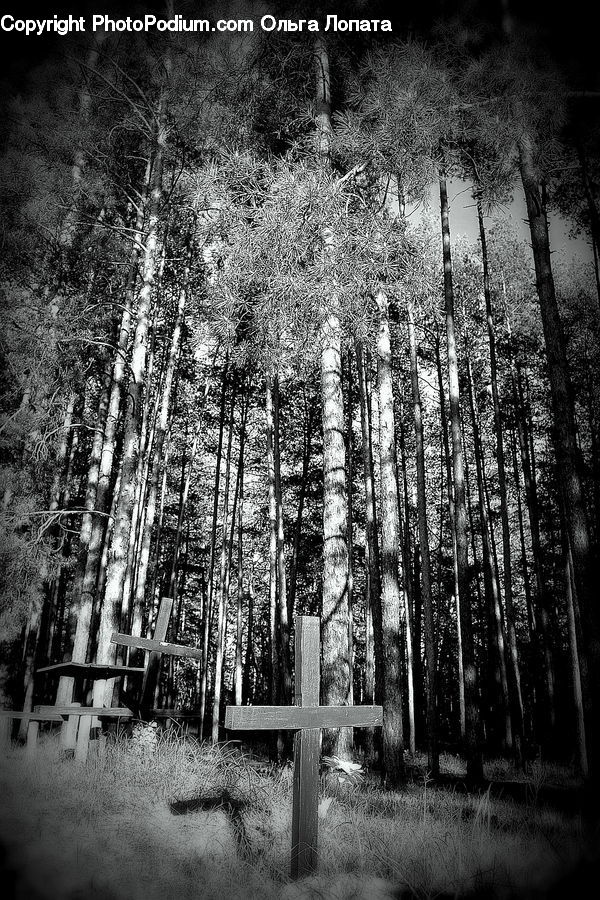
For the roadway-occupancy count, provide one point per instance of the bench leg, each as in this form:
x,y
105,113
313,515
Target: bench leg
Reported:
x,y
32,736
5,732
97,746
23,726
83,739
68,732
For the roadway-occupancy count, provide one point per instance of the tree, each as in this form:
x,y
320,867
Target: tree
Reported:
x,y
565,432
472,719
115,577
336,675
432,751
393,741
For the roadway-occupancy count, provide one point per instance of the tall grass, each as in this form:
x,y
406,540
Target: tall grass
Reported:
x,y
108,830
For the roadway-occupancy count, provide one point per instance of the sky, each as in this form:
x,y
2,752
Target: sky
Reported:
x,y
463,220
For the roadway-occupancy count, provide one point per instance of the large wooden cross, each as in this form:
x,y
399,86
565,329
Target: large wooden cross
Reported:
x,y
307,719
157,646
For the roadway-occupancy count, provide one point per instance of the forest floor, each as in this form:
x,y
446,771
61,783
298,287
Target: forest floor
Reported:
x,y
198,822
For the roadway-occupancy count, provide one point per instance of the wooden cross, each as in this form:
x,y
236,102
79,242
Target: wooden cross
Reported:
x,y
157,646
306,718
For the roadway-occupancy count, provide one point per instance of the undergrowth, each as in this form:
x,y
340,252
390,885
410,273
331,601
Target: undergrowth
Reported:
x,y
188,820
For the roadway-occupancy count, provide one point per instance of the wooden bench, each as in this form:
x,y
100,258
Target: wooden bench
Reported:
x,y
82,671
78,719
91,670
7,716
75,734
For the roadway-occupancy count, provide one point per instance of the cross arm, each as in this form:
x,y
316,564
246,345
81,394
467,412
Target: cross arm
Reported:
x,y
159,646
292,718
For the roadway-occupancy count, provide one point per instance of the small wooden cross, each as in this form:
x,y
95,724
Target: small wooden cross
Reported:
x,y
157,646
306,718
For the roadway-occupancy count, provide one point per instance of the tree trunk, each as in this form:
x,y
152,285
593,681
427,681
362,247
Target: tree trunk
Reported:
x,y
83,596
274,632
567,453
334,633
531,623
117,564
546,716
99,524
373,627
283,623
499,706
472,716
393,740
248,663
186,481
516,700
238,689
350,533
223,581
374,651
411,596
433,761
306,448
450,491
155,565
576,679
207,613
336,662
594,215
146,437
32,648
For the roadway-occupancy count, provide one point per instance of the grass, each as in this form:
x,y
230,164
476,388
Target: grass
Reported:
x,y
190,821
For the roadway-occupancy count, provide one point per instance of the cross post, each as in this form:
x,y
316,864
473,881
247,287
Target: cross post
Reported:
x,y
157,646
153,663
307,719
